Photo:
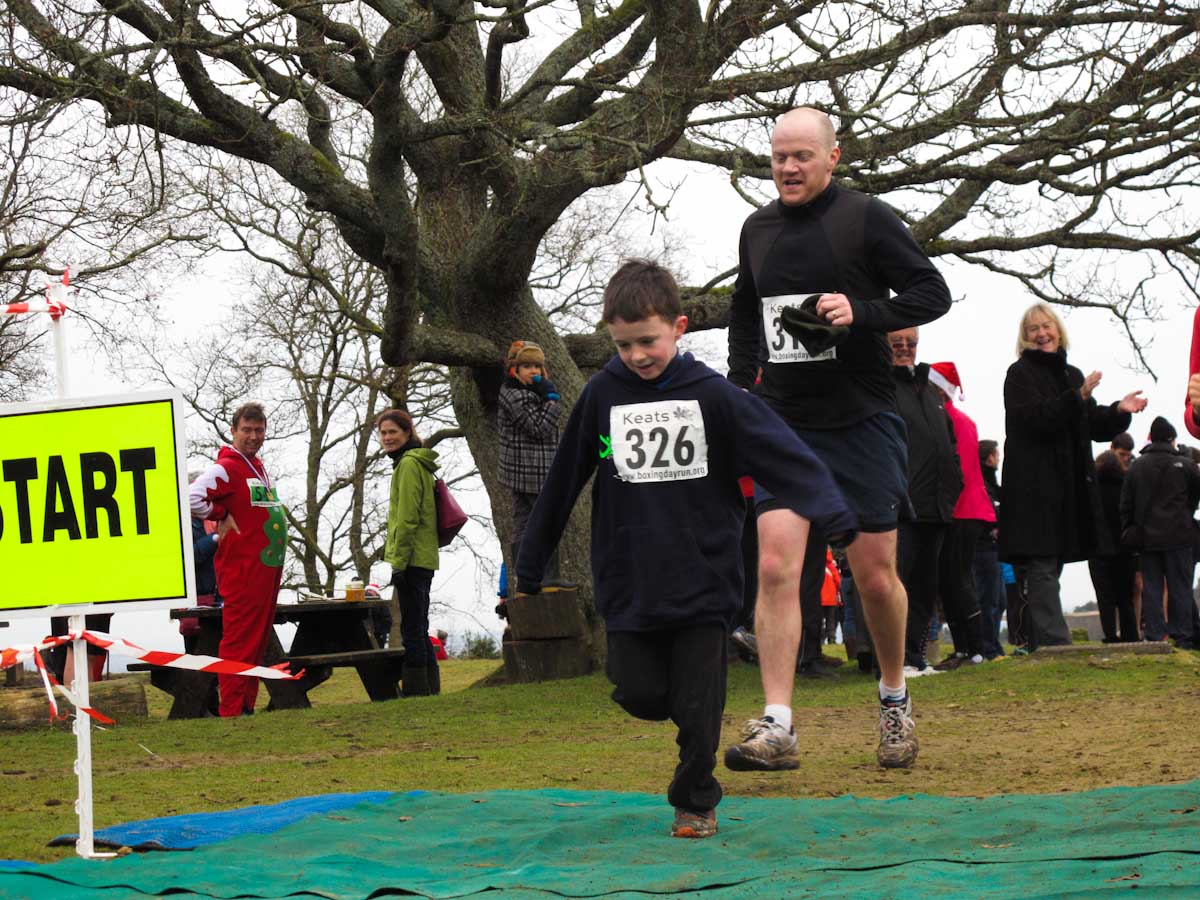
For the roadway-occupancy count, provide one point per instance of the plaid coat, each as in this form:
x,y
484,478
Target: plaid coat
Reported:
x,y
528,426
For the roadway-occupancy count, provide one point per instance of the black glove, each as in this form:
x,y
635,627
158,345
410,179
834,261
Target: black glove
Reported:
x,y
810,329
502,609
545,387
528,587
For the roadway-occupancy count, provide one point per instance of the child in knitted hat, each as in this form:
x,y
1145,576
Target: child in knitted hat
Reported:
x,y
527,422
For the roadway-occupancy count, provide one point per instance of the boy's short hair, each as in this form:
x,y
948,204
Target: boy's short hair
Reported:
x,y
1123,441
641,288
251,412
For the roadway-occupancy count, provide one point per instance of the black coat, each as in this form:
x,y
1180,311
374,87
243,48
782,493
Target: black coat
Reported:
x,y
1110,479
934,475
1160,494
1049,505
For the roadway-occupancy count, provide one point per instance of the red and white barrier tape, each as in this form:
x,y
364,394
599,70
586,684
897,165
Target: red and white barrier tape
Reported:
x,y
11,656
55,302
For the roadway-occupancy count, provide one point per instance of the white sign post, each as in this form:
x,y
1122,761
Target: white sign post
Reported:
x,y
42,446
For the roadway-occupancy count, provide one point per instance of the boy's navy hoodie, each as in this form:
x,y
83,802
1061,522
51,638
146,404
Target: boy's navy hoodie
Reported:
x,y
667,512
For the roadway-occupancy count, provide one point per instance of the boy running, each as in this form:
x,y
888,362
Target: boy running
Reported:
x,y
669,438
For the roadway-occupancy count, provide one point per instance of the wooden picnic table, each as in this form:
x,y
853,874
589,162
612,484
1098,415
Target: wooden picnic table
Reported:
x,y
329,634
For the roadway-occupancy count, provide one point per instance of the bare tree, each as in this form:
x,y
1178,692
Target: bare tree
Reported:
x,y
293,345
73,194
446,138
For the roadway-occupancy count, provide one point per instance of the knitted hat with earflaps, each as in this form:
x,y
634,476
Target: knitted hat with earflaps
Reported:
x,y
525,352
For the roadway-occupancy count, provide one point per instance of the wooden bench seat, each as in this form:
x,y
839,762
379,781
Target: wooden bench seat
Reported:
x,y
347,658
378,669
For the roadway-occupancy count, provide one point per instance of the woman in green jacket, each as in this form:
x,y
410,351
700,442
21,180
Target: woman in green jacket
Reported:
x,y
412,544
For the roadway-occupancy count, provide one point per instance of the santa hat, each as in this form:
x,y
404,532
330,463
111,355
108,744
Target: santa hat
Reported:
x,y
945,376
524,352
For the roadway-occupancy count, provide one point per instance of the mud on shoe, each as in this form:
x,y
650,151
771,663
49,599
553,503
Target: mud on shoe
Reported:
x,y
766,747
897,735
690,824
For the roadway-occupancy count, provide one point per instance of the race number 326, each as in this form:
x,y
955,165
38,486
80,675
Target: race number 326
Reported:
x,y
662,441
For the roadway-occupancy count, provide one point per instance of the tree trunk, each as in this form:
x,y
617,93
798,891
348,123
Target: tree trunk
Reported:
x,y
475,393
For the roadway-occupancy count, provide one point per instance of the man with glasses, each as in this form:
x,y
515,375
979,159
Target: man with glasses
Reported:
x,y
824,274
934,483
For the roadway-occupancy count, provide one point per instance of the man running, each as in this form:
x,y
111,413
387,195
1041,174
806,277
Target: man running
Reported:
x,y
827,371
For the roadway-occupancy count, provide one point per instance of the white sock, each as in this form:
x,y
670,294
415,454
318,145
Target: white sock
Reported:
x,y
780,715
895,694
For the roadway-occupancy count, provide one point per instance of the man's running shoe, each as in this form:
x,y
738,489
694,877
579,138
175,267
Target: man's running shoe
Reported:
x,y
897,735
766,747
690,824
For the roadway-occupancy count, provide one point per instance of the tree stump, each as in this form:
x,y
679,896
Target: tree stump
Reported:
x,y
549,638
528,661
117,698
541,617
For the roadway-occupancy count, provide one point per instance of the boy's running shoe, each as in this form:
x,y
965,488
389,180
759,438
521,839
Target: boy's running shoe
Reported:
x,y
690,824
766,746
897,735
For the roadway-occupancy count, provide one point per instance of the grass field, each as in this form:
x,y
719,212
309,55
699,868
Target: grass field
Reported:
x,y
1028,725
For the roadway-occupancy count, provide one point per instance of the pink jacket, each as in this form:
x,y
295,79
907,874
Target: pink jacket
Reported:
x,y
973,502
1189,417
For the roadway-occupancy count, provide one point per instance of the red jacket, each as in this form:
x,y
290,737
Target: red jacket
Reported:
x,y
833,580
973,502
1189,418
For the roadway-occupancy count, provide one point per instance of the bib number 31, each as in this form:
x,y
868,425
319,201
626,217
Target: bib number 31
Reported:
x,y
662,441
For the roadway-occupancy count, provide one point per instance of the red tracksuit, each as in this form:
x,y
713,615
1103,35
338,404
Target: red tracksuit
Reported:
x,y
249,563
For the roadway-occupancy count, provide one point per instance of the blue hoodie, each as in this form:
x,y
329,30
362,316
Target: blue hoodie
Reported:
x,y
667,512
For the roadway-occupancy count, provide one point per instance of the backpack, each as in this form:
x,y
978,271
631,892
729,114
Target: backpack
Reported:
x,y
450,516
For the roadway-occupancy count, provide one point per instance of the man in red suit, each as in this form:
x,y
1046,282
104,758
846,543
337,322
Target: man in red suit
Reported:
x,y
238,493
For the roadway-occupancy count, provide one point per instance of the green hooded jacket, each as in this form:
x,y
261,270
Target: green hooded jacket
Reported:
x,y
412,518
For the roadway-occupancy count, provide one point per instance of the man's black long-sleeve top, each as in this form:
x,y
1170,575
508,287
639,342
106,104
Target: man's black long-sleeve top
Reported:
x,y
841,242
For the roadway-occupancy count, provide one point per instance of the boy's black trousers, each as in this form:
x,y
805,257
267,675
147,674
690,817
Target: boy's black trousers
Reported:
x,y
677,674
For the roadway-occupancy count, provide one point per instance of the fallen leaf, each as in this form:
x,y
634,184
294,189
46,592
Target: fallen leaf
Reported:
x,y
568,804
404,819
1184,812
480,800
995,846
1132,876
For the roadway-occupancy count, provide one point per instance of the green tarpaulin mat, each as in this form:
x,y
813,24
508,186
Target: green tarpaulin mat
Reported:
x,y
522,845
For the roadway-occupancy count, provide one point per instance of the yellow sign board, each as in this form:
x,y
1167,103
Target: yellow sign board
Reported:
x,y
93,505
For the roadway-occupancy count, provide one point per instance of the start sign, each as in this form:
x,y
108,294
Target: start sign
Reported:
x,y
93,505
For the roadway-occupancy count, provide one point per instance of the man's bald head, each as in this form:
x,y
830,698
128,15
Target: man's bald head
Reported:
x,y
807,119
804,153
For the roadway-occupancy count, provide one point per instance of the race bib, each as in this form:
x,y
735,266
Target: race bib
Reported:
x,y
661,441
781,346
262,494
